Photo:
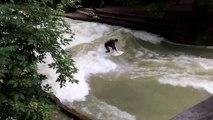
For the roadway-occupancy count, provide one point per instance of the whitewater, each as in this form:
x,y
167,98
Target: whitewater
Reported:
x,y
107,83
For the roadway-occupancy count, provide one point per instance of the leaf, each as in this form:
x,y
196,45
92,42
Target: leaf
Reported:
x,y
28,114
16,97
15,84
11,82
21,96
34,117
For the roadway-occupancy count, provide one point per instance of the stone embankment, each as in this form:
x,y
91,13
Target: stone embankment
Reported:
x,y
201,111
70,112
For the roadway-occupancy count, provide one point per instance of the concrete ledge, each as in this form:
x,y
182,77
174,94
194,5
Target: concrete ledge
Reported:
x,y
72,113
201,111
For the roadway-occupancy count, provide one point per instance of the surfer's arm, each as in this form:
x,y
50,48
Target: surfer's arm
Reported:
x,y
114,48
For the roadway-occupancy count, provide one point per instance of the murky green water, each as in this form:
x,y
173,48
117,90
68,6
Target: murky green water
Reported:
x,y
145,98
152,80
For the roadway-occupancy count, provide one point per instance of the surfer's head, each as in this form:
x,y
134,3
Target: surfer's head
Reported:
x,y
116,40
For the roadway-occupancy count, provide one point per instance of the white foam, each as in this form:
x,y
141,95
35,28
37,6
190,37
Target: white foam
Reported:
x,y
183,71
100,110
199,64
88,31
68,93
94,62
85,32
91,63
146,36
113,113
199,77
207,64
189,82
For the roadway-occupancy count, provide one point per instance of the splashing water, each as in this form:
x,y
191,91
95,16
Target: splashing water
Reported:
x,y
144,83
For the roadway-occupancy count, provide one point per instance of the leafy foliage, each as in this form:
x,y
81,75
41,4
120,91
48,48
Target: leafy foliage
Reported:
x,y
202,2
29,31
69,5
157,7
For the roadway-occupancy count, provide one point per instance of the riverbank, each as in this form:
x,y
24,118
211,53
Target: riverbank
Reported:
x,y
177,25
65,112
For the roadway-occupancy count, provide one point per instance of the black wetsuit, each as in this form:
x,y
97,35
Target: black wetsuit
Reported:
x,y
110,43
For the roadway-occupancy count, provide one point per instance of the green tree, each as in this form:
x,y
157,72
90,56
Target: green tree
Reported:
x,y
29,31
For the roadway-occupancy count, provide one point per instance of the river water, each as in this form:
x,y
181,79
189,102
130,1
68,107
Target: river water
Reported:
x,y
153,79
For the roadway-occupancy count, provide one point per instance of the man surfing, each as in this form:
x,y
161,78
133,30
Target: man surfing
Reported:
x,y
110,43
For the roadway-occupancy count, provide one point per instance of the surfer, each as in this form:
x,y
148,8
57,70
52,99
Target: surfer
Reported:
x,y
110,43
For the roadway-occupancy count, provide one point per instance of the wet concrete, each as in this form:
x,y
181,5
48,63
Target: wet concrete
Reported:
x,y
68,113
201,111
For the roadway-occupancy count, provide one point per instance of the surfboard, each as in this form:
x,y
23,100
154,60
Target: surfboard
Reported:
x,y
116,53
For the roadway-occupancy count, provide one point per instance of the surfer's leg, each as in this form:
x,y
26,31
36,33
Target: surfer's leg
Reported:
x,y
107,48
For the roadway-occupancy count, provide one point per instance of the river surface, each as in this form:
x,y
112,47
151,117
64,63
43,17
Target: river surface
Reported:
x,y
153,79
